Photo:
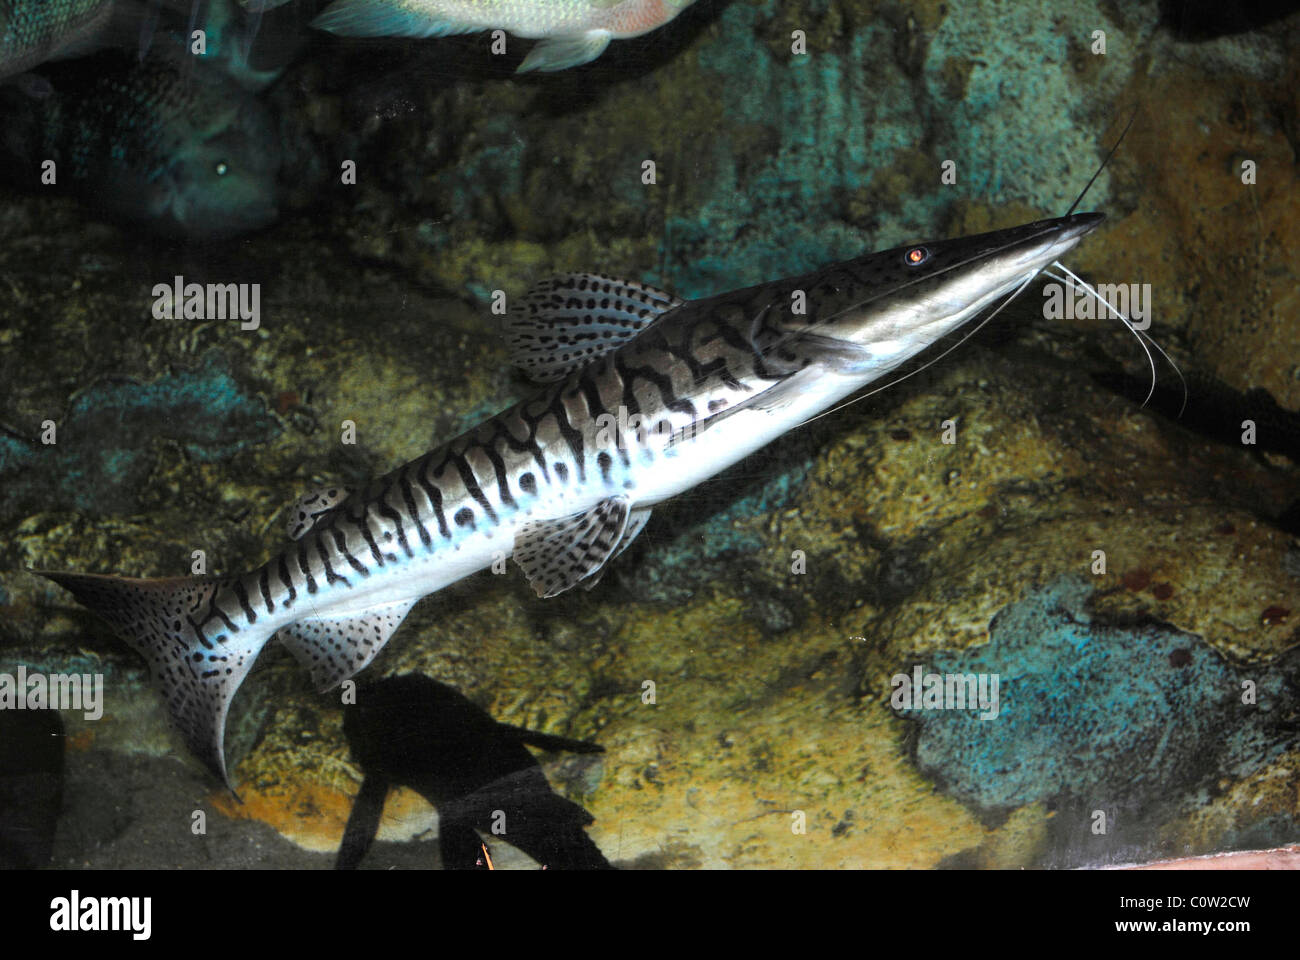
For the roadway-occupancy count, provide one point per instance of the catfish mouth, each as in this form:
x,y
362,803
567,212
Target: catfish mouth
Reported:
x,y
1008,257
1070,230
1014,257
998,267
1042,241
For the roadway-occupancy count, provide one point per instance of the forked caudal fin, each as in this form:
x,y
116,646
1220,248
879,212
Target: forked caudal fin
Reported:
x,y
197,676
198,666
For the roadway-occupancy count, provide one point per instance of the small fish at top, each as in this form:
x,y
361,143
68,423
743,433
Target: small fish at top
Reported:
x,y
180,152
571,32
412,730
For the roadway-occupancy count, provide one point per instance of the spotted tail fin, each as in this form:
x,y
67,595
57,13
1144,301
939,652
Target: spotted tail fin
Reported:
x,y
197,676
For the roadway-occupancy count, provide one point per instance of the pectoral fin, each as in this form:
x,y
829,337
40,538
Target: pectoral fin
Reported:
x,y
556,555
773,400
636,522
334,648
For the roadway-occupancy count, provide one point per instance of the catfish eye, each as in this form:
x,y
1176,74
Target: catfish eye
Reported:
x,y
222,169
916,256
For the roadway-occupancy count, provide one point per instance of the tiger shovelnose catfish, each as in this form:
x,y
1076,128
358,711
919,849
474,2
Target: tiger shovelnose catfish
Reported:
x,y
647,396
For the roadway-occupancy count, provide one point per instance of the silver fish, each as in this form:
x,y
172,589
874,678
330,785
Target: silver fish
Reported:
x,y
572,32
648,396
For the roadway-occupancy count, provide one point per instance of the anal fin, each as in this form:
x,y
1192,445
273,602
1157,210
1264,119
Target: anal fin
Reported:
x,y
557,555
334,648
772,400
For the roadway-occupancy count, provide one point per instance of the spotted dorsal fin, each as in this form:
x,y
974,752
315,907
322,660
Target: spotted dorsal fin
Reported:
x,y
557,555
311,506
568,321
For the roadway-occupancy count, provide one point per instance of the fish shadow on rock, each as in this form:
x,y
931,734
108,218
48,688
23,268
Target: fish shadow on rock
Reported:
x,y
1120,727
478,774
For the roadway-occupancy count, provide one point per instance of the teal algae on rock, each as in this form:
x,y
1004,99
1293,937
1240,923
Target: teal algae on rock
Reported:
x,y
1140,721
768,164
94,458
807,157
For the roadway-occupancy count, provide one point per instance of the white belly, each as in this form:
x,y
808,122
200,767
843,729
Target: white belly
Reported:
x,y
737,436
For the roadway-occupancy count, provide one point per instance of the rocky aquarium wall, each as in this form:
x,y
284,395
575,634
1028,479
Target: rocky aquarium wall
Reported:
x,y
1029,606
